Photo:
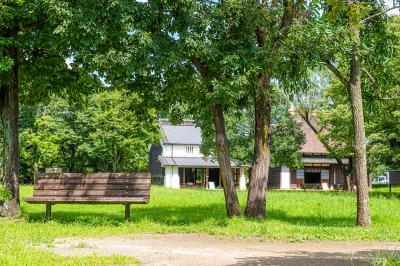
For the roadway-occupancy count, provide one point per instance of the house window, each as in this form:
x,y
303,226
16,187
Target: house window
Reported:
x,y
189,149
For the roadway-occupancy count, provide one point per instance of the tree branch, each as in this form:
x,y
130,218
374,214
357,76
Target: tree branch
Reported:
x,y
290,12
368,74
201,67
337,73
379,13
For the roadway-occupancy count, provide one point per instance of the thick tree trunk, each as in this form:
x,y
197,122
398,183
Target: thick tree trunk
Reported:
x,y
9,109
256,198
222,147
360,161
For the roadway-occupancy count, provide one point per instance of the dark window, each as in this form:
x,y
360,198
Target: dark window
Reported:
x,y
312,177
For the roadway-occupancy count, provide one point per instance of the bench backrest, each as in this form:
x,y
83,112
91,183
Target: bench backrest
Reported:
x,y
96,185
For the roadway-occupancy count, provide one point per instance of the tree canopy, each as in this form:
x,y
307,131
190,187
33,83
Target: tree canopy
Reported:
x,y
101,133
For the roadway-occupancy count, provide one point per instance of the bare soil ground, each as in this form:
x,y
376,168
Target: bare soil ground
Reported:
x,y
196,249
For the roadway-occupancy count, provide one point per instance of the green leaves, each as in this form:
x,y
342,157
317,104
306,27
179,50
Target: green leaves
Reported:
x,y
5,194
101,132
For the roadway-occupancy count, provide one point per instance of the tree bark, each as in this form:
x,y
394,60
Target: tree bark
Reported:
x,y
9,108
360,161
222,147
347,174
256,198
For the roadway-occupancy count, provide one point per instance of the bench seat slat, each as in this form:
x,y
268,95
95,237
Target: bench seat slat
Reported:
x,y
96,175
92,181
91,200
84,186
88,193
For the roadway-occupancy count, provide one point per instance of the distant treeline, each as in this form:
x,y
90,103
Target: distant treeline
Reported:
x,y
101,133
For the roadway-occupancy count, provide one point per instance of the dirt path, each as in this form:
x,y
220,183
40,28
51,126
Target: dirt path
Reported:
x,y
194,249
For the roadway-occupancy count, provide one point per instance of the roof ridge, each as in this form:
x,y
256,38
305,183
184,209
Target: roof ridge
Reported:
x,y
185,122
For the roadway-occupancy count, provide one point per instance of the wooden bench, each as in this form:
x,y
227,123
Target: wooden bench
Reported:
x,y
97,188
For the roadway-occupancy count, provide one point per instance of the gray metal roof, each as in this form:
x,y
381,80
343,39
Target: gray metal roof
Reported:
x,y
190,161
322,160
186,133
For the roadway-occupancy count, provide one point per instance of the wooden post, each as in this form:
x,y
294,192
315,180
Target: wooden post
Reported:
x,y
219,178
127,212
184,176
207,174
48,212
204,177
237,175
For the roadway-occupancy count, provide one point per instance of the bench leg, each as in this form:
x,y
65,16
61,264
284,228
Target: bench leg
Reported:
x,y
48,212
127,212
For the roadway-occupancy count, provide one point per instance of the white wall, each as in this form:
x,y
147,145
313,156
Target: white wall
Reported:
x,y
180,151
242,180
166,150
171,179
285,177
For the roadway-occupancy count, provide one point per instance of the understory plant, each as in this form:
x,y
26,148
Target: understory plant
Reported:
x,y
5,194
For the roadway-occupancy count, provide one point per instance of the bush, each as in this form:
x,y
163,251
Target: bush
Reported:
x,y
5,194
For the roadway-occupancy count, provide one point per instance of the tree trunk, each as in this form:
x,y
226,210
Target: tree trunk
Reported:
x,y
35,169
222,147
9,117
71,163
346,171
360,161
256,198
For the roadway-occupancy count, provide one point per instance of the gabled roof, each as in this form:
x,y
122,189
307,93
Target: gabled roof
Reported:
x,y
191,161
312,144
186,133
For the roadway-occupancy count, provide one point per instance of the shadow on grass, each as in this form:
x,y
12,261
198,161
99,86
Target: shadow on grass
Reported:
x,y
177,216
320,258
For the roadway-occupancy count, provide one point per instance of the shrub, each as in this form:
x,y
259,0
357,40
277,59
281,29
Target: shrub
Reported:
x,y
5,194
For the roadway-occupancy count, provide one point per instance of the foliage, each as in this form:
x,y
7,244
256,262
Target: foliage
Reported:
x,y
286,140
5,194
102,132
329,99
383,112
39,144
387,259
286,137
118,134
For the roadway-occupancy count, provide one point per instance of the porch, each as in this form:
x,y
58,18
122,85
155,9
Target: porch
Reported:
x,y
192,177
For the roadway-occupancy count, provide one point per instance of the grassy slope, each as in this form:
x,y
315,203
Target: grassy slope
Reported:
x,y
293,215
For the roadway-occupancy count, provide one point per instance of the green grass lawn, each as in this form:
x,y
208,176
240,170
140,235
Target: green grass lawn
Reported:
x,y
291,215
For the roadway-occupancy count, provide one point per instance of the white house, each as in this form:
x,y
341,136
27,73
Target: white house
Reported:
x,y
177,161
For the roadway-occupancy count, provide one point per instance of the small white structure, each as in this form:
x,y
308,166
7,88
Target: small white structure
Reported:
x,y
285,178
177,161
